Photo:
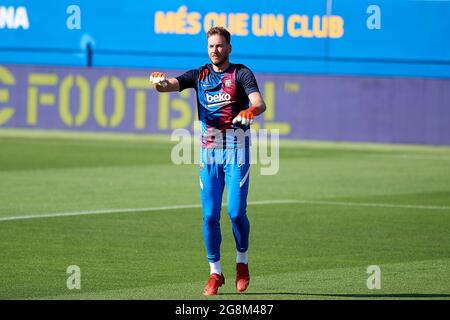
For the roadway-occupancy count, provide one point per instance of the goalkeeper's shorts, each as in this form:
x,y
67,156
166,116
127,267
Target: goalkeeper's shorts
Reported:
x,y
220,168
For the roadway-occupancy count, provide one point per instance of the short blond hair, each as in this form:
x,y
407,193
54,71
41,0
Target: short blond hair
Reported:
x,y
220,31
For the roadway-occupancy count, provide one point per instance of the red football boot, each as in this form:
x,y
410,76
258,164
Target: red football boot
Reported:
x,y
242,277
215,281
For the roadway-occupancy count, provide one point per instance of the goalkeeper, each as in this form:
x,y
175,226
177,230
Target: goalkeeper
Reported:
x,y
228,99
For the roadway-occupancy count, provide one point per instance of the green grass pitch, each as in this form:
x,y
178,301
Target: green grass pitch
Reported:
x,y
351,206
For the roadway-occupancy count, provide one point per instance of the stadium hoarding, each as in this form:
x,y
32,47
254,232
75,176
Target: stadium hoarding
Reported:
x,y
336,108
391,37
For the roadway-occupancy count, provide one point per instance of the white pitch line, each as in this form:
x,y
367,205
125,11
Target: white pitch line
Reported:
x,y
413,156
92,212
193,206
127,210
376,205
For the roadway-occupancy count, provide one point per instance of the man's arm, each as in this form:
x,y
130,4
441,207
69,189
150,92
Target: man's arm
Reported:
x,y
257,101
162,84
257,106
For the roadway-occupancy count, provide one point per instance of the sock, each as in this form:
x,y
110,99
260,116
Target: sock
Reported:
x,y
242,257
215,267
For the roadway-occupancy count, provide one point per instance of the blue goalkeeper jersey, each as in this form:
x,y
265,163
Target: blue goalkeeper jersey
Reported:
x,y
220,98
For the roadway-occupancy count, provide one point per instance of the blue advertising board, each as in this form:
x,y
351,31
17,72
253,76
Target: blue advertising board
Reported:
x,y
382,37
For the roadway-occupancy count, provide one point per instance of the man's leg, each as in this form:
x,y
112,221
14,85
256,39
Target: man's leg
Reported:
x,y
211,190
237,174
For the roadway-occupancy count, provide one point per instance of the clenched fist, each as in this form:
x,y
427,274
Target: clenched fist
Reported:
x,y
158,79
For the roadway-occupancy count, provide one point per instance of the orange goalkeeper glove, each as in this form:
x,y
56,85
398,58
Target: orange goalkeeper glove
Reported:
x,y
246,116
158,79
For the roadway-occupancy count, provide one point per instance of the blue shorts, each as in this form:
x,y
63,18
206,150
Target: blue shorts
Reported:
x,y
224,168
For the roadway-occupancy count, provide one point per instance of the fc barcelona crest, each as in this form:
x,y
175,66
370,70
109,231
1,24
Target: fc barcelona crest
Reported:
x,y
228,83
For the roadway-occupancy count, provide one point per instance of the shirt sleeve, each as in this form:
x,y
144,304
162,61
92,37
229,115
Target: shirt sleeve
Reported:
x,y
188,79
246,77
